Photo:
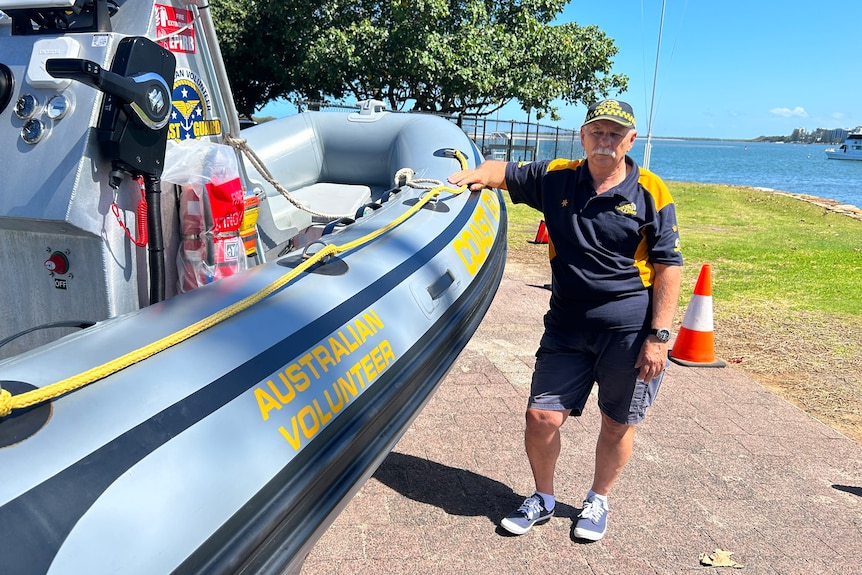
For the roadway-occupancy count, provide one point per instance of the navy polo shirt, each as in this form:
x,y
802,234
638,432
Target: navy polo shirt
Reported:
x,y
602,246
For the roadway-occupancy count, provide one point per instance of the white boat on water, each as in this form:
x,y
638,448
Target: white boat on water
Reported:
x,y
851,149
209,339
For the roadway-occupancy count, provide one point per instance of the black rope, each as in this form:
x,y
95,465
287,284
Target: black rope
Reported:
x,y
81,324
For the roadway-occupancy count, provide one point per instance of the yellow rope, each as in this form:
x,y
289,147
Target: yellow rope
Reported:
x,y
8,402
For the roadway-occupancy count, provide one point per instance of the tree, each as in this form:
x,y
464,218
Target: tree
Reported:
x,y
264,45
450,56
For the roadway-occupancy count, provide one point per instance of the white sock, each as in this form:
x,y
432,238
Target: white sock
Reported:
x,y
602,498
549,500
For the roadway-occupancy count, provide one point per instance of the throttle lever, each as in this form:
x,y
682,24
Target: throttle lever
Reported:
x,y
147,94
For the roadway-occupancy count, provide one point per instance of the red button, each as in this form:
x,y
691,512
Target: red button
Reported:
x,y
57,263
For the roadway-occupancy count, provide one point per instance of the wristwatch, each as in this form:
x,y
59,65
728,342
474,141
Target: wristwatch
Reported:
x,y
663,334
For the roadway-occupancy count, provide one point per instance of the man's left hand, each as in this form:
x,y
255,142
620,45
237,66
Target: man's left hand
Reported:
x,y
652,358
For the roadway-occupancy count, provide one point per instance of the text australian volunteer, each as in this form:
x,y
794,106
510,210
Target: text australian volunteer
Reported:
x,y
615,262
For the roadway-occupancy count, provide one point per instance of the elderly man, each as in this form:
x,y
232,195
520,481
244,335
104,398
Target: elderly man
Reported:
x,y
615,262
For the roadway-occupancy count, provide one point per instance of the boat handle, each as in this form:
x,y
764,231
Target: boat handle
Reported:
x,y
439,286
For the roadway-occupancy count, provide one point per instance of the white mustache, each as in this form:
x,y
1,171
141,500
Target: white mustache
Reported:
x,y
605,152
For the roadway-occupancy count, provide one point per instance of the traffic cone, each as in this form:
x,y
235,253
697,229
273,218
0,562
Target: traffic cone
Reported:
x,y
695,344
541,234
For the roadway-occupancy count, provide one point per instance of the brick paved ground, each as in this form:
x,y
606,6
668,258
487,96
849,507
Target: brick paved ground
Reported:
x,y
719,463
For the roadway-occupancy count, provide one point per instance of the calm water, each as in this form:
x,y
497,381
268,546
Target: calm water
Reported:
x,y
802,169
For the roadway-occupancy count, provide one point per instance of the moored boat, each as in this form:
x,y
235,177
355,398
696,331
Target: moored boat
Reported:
x,y
184,388
851,149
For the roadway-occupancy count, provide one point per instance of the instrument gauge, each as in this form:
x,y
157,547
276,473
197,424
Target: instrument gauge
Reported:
x,y
57,107
26,106
33,131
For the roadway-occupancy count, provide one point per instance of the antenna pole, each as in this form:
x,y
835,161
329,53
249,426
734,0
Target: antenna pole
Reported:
x,y
648,146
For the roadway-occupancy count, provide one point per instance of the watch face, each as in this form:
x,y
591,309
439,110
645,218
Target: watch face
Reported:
x,y
662,334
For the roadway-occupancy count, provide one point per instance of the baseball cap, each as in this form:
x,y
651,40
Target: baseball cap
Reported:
x,y
613,110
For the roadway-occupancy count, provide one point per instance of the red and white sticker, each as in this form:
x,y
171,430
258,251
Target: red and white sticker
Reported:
x,y
174,29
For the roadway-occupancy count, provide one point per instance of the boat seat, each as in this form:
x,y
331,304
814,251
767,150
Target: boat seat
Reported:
x,y
333,199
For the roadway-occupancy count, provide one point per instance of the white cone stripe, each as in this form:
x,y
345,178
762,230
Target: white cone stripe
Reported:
x,y
698,316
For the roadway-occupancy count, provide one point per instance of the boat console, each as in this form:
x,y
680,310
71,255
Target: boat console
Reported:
x,y
87,104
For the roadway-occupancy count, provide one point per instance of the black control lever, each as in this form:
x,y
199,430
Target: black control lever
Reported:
x,y
147,94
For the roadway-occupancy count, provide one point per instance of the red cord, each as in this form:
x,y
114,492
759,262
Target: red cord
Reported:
x,y
143,236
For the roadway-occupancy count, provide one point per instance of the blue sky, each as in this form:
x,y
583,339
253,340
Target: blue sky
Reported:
x,y
732,68
728,68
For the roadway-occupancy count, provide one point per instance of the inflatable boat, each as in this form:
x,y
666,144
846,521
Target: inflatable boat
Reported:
x,y
210,337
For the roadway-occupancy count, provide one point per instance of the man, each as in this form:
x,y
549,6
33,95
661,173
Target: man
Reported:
x,y
615,263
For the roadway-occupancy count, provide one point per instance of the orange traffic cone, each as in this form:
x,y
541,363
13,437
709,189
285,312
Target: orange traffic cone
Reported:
x,y
541,234
695,345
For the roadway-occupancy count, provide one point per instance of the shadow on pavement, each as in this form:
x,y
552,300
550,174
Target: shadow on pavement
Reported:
x,y
455,491
852,490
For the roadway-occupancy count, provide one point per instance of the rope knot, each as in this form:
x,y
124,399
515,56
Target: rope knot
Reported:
x,y
5,402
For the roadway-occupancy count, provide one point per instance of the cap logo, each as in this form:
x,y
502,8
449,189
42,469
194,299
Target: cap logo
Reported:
x,y
611,110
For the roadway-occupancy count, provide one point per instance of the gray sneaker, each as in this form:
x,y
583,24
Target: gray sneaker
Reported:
x,y
593,520
531,512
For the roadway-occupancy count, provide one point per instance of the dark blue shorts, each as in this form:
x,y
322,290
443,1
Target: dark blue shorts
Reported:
x,y
568,363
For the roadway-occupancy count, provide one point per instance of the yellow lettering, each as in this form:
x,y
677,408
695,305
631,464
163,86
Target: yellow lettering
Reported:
x,y
206,128
283,398
377,358
355,337
493,204
308,431
355,371
297,377
323,358
292,439
474,243
335,408
368,368
464,249
372,318
338,350
347,387
324,417
364,331
352,346
305,361
386,350
265,402
478,238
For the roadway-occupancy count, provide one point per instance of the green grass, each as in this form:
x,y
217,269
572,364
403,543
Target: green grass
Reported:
x,y
768,252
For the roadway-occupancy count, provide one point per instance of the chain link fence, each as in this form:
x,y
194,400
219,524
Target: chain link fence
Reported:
x,y
515,141
508,140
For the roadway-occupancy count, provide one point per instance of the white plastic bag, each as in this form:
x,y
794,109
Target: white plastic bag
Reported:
x,y
211,211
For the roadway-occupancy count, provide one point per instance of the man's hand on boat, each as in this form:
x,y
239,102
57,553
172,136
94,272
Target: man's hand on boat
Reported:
x,y
489,174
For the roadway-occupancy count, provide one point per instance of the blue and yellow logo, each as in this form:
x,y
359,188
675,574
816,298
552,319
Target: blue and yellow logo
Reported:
x,y
191,109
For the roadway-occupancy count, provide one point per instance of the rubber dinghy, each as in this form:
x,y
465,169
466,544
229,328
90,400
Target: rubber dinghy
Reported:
x,y
210,339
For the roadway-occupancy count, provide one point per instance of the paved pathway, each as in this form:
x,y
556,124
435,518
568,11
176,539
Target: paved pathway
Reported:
x,y
719,463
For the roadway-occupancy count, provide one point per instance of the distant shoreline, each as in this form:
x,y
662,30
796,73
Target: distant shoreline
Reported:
x,y
751,141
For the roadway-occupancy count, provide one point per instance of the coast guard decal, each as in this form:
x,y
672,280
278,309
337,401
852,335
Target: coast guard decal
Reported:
x,y
192,108
174,30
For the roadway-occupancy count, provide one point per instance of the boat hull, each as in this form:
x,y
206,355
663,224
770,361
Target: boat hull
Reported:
x,y
831,155
851,149
203,458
